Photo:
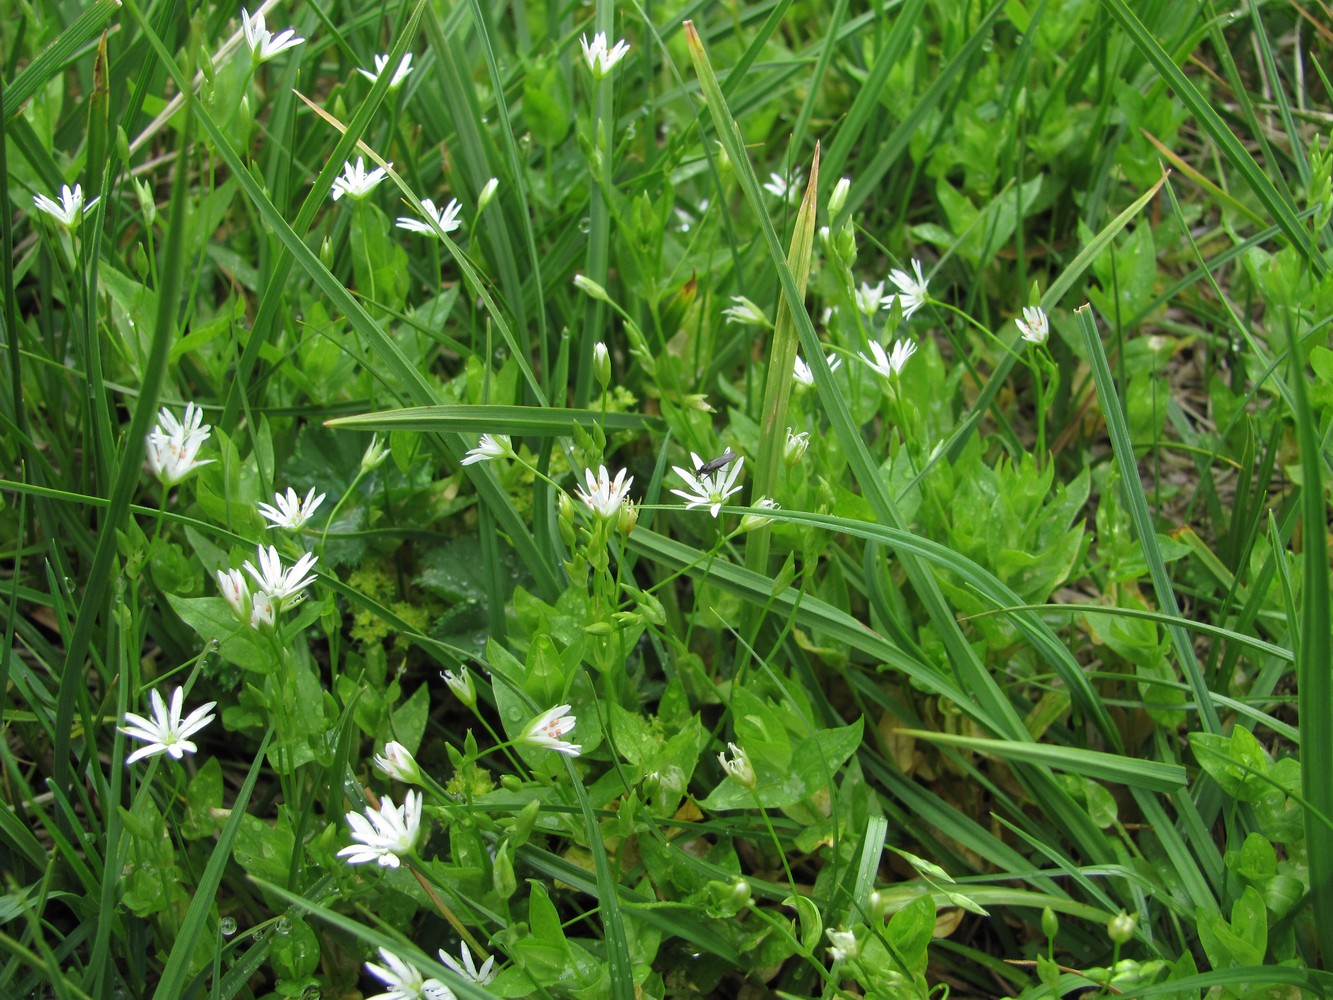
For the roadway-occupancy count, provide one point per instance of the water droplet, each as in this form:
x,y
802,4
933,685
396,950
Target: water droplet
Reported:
x,y
227,925
585,225
282,927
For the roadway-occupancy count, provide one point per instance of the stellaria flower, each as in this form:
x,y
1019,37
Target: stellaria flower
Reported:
x,y
446,218
375,454
805,376
779,187
166,731
869,298
546,731
602,60
69,210
892,363
356,182
738,766
290,512
468,970
405,982
399,75
912,290
746,312
842,945
487,193
384,833
708,489
255,610
1035,325
490,446
284,586
264,45
605,495
173,445
398,763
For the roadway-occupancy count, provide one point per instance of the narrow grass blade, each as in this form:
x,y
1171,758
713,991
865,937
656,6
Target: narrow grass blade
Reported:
x,y
1118,429
525,421
56,56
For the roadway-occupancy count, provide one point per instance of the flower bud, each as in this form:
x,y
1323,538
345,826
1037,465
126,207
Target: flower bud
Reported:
x,y
398,763
794,450
487,194
326,253
838,199
842,945
123,145
1050,923
147,204
1120,928
739,766
751,521
628,517
590,288
601,364
461,685
502,872
374,456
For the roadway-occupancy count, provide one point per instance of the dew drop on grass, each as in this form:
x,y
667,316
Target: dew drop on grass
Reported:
x,y
227,925
282,927
585,225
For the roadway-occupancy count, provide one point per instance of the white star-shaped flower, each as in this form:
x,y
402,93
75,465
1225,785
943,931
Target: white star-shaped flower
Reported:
x,y
69,210
805,376
605,495
602,60
398,763
738,765
399,75
264,45
290,511
1035,325
446,218
172,447
468,970
779,187
746,312
356,182
282,585
166,731
911,289
892,363
708,489
546,731
404,981
489,447
869,298
385,833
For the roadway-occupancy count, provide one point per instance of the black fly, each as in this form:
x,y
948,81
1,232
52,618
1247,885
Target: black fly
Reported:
x,y
723,460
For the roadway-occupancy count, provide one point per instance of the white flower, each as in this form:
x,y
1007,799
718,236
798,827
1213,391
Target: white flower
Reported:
x,y
602,60
546,731
745,311
173,445
278,583
711,489
1035,326
779,187
738,766
912,290
399,75
805,376
398,763
467,970
601,363
384,833
404,981
290,512
264,612
751,521
605,495
890,364
446,218
794,450
355,181
237,592
869,298
166,731
487,193
461,685
69,210
264,45
843,945
489,447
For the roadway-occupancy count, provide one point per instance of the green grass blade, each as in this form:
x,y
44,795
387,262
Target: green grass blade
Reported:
x,y
56,56
525,421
